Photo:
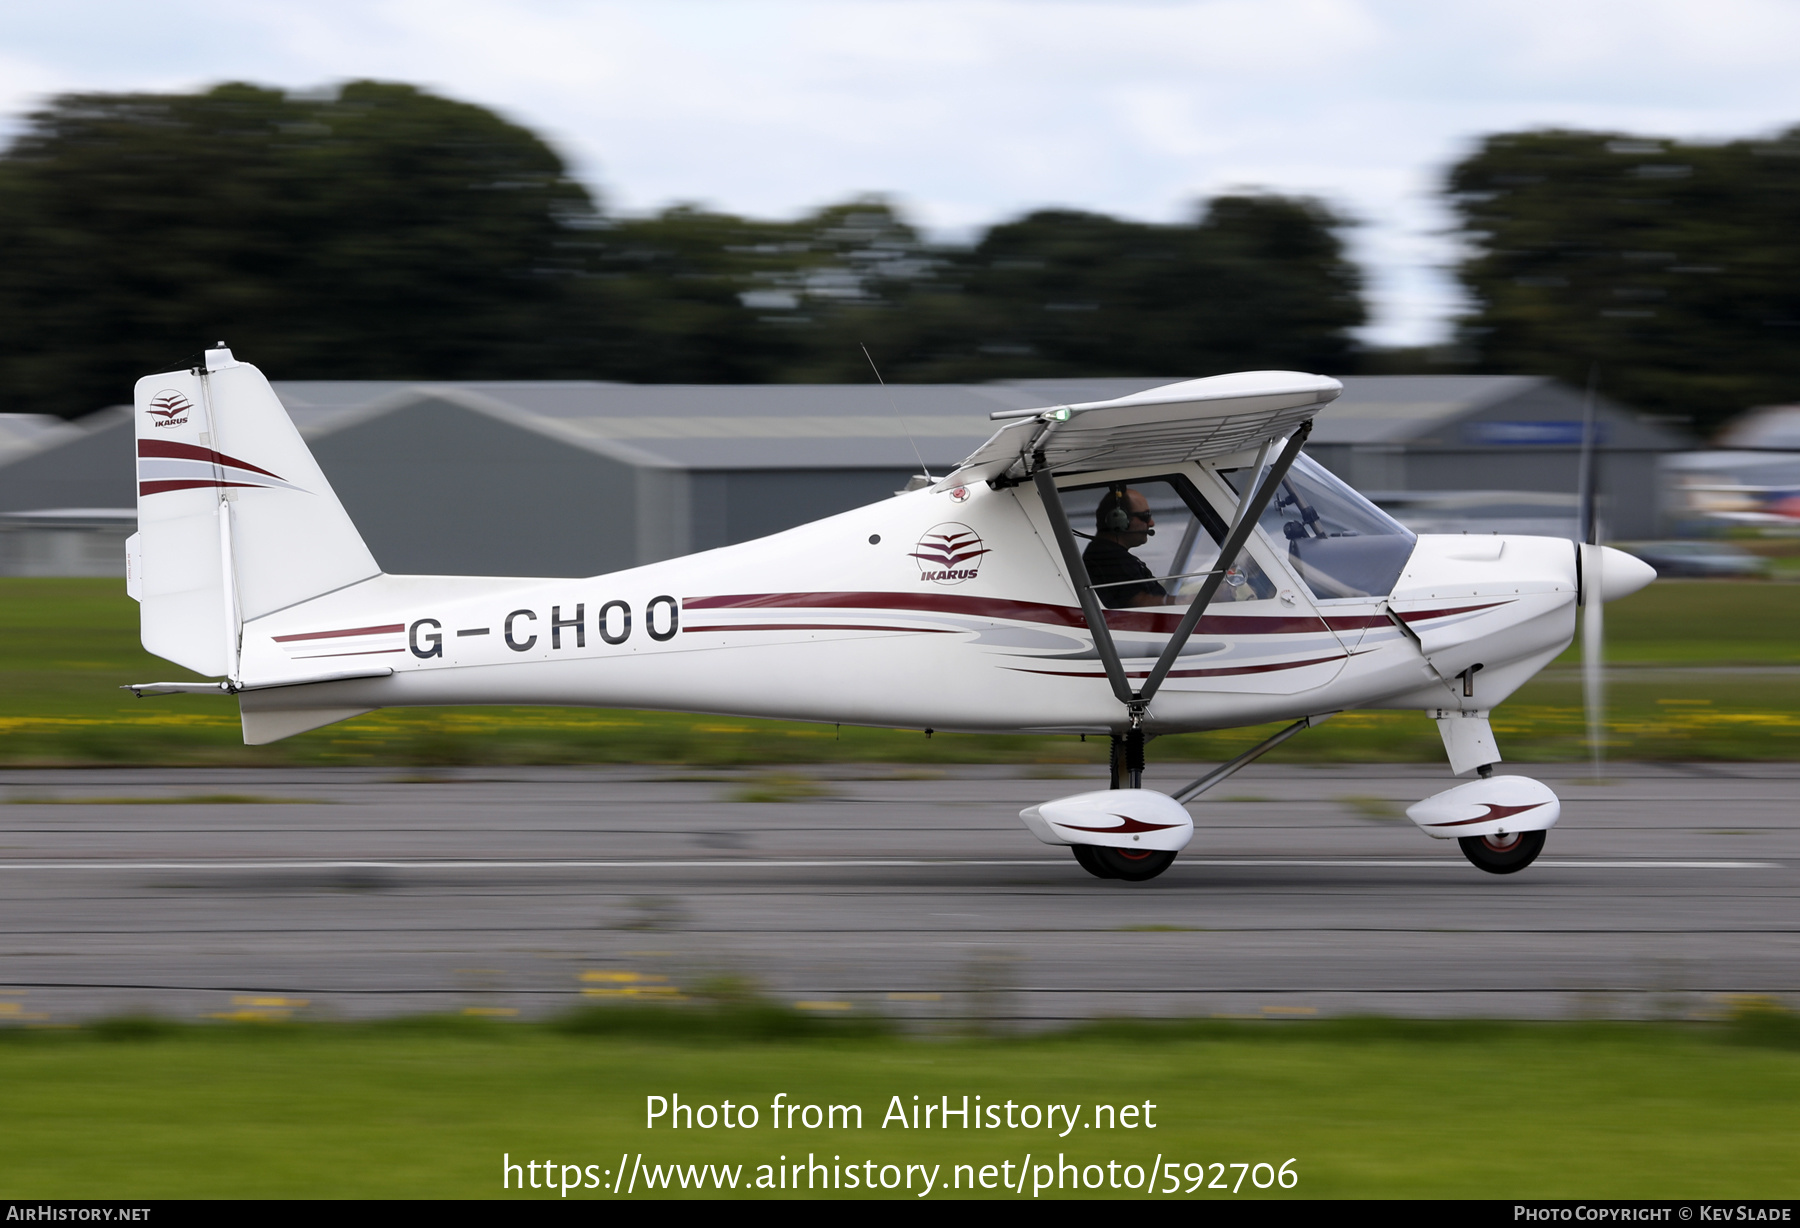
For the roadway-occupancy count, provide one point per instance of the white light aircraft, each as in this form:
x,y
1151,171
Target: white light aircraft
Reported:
x,y
1011,596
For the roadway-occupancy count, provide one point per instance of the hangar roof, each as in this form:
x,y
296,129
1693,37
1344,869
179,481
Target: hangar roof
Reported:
x,y
799,426
699,426
1399,408
771,427
23,433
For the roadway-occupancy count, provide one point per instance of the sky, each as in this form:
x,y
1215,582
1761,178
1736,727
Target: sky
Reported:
x,y
970,112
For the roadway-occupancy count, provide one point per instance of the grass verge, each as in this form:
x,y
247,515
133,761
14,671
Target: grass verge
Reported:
x,y
1367,1108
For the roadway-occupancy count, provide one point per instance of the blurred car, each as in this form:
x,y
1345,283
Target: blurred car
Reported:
x,y
1698,558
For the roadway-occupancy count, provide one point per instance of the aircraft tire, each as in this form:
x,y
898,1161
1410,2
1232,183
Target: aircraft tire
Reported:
x,y
1130,866
1511,857
1084,853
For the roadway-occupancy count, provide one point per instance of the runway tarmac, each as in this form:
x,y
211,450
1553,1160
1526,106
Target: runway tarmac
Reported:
x,y
913,893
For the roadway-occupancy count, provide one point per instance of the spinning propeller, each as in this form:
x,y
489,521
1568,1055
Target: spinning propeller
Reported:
x,y
1593,621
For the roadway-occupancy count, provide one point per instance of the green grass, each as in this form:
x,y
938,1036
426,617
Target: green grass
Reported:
x,y
1368,1108
781,787
67,645
1703,622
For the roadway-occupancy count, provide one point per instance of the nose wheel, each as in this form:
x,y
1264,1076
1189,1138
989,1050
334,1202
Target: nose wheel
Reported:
x,y
1503,854
1128,864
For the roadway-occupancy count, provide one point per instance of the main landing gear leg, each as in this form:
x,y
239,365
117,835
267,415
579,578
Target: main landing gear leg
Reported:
x,y
1127,771
1127,760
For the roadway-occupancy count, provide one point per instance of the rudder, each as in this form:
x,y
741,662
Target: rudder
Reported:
x,y
235,517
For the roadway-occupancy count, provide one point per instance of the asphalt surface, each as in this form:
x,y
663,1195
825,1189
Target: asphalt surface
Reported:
x,y
1664,891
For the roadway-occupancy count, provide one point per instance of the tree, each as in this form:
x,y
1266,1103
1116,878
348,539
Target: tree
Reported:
x,y
385,233
1254,281
1674,267
718,298
382,232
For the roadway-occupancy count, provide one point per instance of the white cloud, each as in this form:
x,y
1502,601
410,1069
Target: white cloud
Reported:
x,y
25,83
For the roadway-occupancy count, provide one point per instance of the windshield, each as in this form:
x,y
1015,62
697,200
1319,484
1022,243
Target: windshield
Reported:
x,y
1340,544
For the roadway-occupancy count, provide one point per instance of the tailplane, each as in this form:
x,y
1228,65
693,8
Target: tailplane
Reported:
x,y
235,518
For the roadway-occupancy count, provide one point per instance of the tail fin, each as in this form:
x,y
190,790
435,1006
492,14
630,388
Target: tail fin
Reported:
x,y
235,518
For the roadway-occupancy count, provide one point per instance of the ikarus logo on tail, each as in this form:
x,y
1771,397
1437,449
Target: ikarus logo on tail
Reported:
x,y
171,407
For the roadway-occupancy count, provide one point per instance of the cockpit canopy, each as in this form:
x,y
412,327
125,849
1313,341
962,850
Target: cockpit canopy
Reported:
x,y
1338,542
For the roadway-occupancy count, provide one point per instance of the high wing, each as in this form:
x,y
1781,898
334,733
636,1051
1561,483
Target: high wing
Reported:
x,y
1197,419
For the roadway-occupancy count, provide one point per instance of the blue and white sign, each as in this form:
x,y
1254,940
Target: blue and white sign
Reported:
x,y
1546,433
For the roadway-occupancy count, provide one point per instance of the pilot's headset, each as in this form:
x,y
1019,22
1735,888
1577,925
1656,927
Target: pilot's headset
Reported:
x,y
1117,518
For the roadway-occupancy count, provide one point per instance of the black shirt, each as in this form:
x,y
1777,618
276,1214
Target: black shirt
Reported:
x,y
1108,562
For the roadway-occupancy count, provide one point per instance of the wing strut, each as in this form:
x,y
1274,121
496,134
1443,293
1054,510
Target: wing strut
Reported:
x,y
1250,511
1091,609
1224,771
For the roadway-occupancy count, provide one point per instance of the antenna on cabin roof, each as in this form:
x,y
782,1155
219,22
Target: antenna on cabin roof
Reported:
x,y
890,400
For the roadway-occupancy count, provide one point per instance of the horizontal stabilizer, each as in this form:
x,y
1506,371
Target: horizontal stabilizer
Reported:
x,y
141,689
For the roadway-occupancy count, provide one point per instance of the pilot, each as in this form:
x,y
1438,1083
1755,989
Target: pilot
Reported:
x,y
1122,523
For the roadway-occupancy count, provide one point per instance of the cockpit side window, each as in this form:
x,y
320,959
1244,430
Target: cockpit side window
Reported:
x,y
1340,544
1152,541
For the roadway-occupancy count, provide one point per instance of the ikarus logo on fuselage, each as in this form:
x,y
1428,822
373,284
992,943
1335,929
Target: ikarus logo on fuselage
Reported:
x,y
949,553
